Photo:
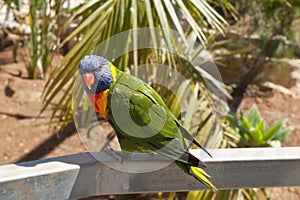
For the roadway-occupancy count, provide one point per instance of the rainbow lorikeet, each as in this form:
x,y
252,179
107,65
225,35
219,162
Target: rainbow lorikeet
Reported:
x,y
139,116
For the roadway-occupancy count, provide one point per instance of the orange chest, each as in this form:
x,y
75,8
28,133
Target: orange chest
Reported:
x,y
99,102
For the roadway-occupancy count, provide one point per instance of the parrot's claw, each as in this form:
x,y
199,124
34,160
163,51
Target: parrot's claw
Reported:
x,y
115,154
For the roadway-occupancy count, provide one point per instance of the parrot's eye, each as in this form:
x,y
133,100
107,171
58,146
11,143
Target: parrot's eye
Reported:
x,y
99,68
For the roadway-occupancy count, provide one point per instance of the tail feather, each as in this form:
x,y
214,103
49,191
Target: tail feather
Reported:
x,y
202,176
198,173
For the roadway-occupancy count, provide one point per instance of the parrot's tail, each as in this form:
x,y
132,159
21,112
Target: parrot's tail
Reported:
x,y
201,175
198,173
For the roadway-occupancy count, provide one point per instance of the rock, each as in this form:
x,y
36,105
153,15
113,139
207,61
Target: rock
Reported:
x,y
279,88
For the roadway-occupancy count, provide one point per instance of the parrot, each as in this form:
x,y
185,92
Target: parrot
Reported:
x,y
138,115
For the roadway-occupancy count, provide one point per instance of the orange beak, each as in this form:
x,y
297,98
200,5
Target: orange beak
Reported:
x,y
89,79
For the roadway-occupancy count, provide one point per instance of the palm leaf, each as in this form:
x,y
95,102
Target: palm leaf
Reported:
x,y
103,19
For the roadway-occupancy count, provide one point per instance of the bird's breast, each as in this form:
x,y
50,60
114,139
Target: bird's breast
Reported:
x,y
99,102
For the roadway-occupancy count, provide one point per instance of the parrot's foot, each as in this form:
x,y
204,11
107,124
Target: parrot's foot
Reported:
x,y
115,154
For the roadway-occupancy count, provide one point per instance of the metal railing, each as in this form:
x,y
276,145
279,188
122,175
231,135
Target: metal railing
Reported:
x,y
82,175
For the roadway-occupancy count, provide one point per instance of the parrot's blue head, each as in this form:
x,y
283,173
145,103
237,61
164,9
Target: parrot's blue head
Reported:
x,y
96,74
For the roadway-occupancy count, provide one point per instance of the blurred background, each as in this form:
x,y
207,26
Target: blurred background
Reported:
x,y
255,45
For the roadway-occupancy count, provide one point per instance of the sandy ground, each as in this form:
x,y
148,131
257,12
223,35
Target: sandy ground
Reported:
x,y
25,137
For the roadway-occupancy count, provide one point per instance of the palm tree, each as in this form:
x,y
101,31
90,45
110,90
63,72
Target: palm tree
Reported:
x,y
97,21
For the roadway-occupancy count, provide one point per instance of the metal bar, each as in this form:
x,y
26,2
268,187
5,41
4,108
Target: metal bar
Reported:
x,y
82,175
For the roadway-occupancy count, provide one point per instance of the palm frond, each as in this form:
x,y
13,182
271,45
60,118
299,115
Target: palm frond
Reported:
x,y
98,21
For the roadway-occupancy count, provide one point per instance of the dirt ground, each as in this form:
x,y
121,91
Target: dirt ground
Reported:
x,y
24,136
274,106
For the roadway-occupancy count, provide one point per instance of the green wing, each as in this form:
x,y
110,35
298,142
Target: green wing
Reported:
x,y
139,114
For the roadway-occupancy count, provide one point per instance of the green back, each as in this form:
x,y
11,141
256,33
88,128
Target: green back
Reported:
x,y
138,113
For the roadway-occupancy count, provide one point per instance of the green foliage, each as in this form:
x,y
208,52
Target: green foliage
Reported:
x,y
97,21
279,16
264,31
252,132
238,194
42,19
41,39
13,3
